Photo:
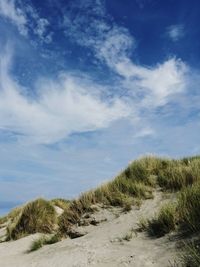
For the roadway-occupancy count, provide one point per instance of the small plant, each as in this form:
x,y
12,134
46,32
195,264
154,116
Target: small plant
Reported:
x,y
189,207
190,257
3,219
40,242
37,244
69,217
143,225
61,203
127,206
128,236
52,239
164,222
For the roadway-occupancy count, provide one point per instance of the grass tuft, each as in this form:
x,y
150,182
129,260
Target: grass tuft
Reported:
x,y
61,203
189,208
3,219
136,183
40,242
164,222
38,216
36,244
190,257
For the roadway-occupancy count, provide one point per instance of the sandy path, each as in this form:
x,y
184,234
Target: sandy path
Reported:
x,y
102,246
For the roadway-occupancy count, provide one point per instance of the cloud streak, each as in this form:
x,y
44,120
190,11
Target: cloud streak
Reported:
x,y
73,103
175,32
26,19
9,10
61,107
152,86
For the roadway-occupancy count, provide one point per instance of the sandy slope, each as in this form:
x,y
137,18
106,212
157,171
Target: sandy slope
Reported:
x,y
102,246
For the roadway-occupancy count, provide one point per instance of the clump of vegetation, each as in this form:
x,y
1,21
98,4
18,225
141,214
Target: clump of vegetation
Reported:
x,y
189,208
146,169
164,222
128,205
40,242
121,192
36,216
61,203
131,186
128,236
178,175
69,218
3,219
143,225
190,257
11,215
184,215
36,244
189,212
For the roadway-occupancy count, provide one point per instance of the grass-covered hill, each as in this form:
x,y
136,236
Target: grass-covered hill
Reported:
x,y
139,181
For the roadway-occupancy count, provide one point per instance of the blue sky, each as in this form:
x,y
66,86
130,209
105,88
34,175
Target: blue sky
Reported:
x,y
86,86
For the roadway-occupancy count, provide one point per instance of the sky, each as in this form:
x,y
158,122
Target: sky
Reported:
x,y
87,86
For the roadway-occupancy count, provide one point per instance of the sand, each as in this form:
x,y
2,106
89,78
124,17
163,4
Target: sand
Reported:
x,y
103,245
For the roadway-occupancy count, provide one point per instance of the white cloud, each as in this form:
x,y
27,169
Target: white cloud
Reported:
x,y
26,20
9,10
61,107
39,25
113,44
156,84
72,103
175,32
41,30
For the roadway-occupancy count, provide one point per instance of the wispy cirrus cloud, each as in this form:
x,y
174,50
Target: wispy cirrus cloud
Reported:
x,y
75,104
112,45
26,19
9,10
63,106
41,30
175,32
156,85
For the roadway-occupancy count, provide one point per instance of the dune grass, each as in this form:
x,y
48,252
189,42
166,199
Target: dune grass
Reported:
x,y
185,213
169,174
136,182
142,170
131,186
61,203
36,216
164,222
44,240
122,192
189,208
179,174
3,219
37,244
190,257
183,216
11,215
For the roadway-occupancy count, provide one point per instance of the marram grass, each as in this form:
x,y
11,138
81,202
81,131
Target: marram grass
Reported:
x,y
137,182
44,240
38,216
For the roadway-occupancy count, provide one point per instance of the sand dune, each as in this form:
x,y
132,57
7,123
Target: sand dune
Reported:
x,y
103,245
